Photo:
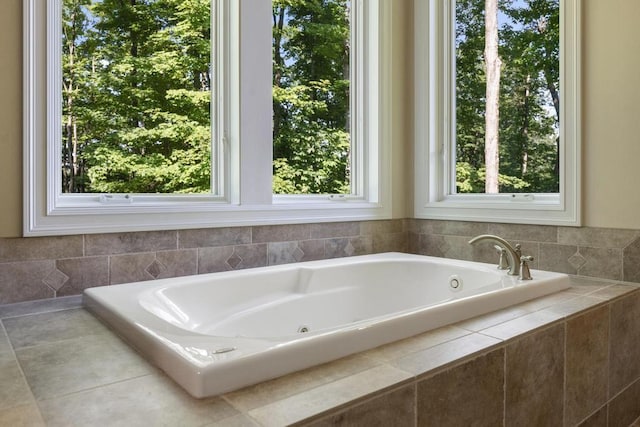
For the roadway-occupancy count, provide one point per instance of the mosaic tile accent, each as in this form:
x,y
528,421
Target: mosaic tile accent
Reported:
x,y
226,258
289,252
56,279
348,246
83,273
130,268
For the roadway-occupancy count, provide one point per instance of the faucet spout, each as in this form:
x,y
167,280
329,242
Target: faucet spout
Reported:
x,y
513,254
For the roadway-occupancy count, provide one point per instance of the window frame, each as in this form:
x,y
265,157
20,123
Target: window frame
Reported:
x,y
434,136
243,135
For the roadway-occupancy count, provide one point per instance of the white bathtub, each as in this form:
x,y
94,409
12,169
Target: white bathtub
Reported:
x,y
217,332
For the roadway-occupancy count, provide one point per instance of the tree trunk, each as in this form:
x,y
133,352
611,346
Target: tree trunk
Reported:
x,y
70,126
346,69
492,113
278,25
524,130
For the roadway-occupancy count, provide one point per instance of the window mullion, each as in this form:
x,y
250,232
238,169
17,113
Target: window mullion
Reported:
x,y
255,103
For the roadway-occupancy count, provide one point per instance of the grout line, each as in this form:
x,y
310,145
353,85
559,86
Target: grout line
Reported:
x,y
610,308
415,403
504,386
564,373
21,370
99,386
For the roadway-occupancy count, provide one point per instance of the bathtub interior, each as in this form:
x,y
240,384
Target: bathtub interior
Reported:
x,y
313,299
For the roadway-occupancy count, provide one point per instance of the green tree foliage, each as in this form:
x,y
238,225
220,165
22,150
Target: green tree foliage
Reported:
x,y
137,80
136,93
529,100
311,140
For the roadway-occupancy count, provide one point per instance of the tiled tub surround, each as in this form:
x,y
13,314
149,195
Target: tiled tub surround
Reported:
x,y
570,358
46,267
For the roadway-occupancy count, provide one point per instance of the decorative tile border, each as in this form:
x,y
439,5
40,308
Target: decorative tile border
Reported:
x,y
605,253
47,267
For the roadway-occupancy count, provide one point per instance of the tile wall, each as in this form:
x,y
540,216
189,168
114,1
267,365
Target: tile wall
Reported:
x,y
586,251
47,267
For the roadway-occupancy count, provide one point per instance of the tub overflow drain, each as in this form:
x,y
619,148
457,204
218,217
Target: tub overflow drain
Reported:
x,y
302,329
455,282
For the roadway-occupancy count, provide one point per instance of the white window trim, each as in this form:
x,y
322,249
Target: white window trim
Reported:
x,y
244,142
434,118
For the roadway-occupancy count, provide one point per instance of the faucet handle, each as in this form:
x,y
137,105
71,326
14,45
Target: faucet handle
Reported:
x,y
518,249
503,262
525,273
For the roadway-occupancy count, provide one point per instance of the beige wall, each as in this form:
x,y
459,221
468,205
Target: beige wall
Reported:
x,y
10,118
611,114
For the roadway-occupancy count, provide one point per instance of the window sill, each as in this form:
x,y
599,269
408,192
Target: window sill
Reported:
x,y
111,219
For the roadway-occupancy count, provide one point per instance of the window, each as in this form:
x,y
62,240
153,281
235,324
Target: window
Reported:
x,y
497,119
159,115
136,98
311,81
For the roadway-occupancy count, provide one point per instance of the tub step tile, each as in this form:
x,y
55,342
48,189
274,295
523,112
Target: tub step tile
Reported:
x,y
315,402
423,362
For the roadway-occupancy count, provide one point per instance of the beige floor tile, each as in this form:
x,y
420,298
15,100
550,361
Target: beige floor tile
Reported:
x,y
22,416
40,306
69,366
5,345
235,421
152,400
14,390
45,328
